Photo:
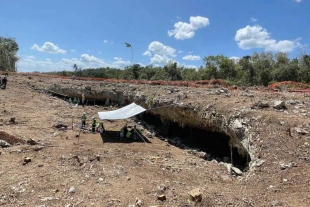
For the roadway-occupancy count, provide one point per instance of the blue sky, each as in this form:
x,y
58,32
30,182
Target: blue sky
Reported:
x,y
54,35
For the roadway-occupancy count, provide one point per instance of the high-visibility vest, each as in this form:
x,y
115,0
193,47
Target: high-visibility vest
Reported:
x,y
84,117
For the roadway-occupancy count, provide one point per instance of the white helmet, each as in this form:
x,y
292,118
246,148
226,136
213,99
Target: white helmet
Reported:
x,y
93,117
84,113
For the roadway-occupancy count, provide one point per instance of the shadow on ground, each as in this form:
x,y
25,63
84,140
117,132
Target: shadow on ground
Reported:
x,y
113,137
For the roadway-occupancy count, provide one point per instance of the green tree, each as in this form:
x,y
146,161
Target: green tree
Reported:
x,y
305,68
220,66
8,54
172,70
246,72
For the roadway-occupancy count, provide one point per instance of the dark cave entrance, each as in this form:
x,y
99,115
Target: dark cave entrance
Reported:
x,y
88,101
215,144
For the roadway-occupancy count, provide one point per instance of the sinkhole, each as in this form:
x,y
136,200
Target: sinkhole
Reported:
x,y
215,144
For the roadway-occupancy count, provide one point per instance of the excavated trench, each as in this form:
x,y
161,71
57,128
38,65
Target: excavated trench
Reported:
x,y
183,128
215,144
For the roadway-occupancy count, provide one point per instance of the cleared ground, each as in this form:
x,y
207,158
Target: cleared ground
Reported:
x,y
110,172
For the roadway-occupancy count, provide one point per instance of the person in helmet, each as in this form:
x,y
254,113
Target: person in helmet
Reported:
x,y
83,119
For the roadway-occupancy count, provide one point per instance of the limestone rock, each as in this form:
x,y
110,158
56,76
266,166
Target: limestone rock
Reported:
x,y
72,190
26,160
279,105
301,131
195,195
4,143
235,171
138,203
237,124
261,105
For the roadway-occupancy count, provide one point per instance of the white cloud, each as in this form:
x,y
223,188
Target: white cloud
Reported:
x,y
180,51
107,41
160,49
191,57
161,53
73,51
184,30
257,37
297,1
160,59
29,63
147,53
120,62
253,19
49,48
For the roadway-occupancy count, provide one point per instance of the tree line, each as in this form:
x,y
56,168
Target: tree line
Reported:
x,y
258,69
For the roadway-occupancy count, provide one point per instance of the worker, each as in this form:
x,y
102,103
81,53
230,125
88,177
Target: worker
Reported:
x,y
83,119
101,128
74,100
93,126
70,101
4,81
78,101
101,125
83,99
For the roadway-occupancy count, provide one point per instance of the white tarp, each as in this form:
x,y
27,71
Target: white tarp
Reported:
x,y
122,113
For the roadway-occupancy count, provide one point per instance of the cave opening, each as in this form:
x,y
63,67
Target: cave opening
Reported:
x,y
215,144
88,101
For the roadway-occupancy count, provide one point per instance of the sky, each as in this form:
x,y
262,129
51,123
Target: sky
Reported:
x,y
55,35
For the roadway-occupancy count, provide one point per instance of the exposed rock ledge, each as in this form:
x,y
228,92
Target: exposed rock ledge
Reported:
x,y
195,107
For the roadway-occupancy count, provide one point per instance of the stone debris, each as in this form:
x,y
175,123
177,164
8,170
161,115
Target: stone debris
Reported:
x,y
26,160
284,166
195,195
72,190
260,105
279,105
237,124
235,171
138,203
4,143
38,148
49,198
31,142
301,131
161,197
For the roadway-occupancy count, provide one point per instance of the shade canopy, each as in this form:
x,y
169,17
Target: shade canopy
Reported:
x,y
122,113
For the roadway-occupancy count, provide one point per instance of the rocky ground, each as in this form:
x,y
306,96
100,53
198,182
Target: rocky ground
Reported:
x,y
45,163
